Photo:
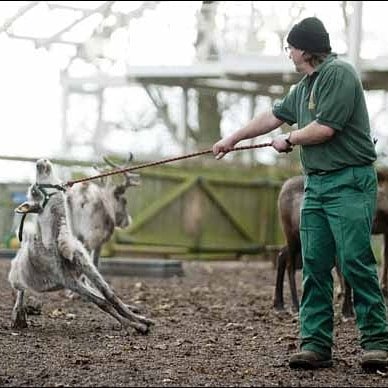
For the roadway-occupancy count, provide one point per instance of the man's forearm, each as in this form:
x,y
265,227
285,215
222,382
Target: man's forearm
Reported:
x,y
265,122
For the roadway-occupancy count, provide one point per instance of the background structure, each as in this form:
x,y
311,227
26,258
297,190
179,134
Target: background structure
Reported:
x,y
162,78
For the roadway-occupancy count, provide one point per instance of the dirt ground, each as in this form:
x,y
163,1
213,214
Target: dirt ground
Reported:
x,y
215,326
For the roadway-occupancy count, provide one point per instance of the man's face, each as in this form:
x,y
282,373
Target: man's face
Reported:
x,y
297,57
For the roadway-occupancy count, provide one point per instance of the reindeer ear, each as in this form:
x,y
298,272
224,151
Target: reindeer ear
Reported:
x,y
119,190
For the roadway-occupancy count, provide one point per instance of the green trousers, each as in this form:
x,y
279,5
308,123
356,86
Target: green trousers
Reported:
x,y
336,221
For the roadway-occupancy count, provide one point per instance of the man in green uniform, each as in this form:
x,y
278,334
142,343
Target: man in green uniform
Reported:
x,y
337,155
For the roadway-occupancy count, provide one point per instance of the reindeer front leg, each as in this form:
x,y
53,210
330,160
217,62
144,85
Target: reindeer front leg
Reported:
x,y
19,315
66,243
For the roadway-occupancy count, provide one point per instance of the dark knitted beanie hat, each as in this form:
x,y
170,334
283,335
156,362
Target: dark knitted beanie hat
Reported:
x,y
310,34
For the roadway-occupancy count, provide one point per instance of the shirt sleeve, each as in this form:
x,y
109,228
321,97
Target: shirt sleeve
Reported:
x,y
285,109
335,98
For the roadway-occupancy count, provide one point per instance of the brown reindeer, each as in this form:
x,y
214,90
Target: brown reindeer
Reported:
x,y
289,204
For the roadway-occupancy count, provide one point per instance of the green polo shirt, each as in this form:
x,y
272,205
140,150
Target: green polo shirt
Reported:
x,y
333,96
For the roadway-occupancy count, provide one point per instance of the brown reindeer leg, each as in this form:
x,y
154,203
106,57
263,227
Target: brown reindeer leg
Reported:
x,y
292,282
347,305
384,274
341,281
82,289
346,292
19,315
278,303
294,261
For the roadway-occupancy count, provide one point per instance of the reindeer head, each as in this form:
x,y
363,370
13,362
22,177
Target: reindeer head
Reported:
x,y
37,196
34,203
116,192
45,172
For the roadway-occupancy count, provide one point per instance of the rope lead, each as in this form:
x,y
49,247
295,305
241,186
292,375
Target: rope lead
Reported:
x,y
138,167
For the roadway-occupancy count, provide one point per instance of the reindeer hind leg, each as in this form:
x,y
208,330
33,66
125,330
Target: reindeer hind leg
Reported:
x,y
97,281
102,286
91,295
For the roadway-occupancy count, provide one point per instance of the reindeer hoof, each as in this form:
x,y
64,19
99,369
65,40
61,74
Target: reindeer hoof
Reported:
x,y
143,329
144,320
33,306
133,308
19,320
294,310
149,322
279,308
347,315
19,324
139,327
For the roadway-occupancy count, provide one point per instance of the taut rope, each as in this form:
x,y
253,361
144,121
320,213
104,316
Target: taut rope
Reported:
x,y
138,167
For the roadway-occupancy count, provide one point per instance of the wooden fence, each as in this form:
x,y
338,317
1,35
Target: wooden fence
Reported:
x,y
185,210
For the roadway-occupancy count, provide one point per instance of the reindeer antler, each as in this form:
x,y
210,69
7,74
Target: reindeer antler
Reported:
x,y
129,181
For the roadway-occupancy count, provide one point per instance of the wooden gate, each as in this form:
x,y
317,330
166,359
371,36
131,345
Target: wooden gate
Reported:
x,y
189,210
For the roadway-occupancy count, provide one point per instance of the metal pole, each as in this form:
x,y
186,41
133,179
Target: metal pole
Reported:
x,y
65,148
355,34
182,135
251,114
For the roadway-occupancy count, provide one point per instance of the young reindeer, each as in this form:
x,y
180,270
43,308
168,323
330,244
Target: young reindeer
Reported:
x,y
96,210
52,258
289,204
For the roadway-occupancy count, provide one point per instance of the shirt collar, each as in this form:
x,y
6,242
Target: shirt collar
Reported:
x,y
330,58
